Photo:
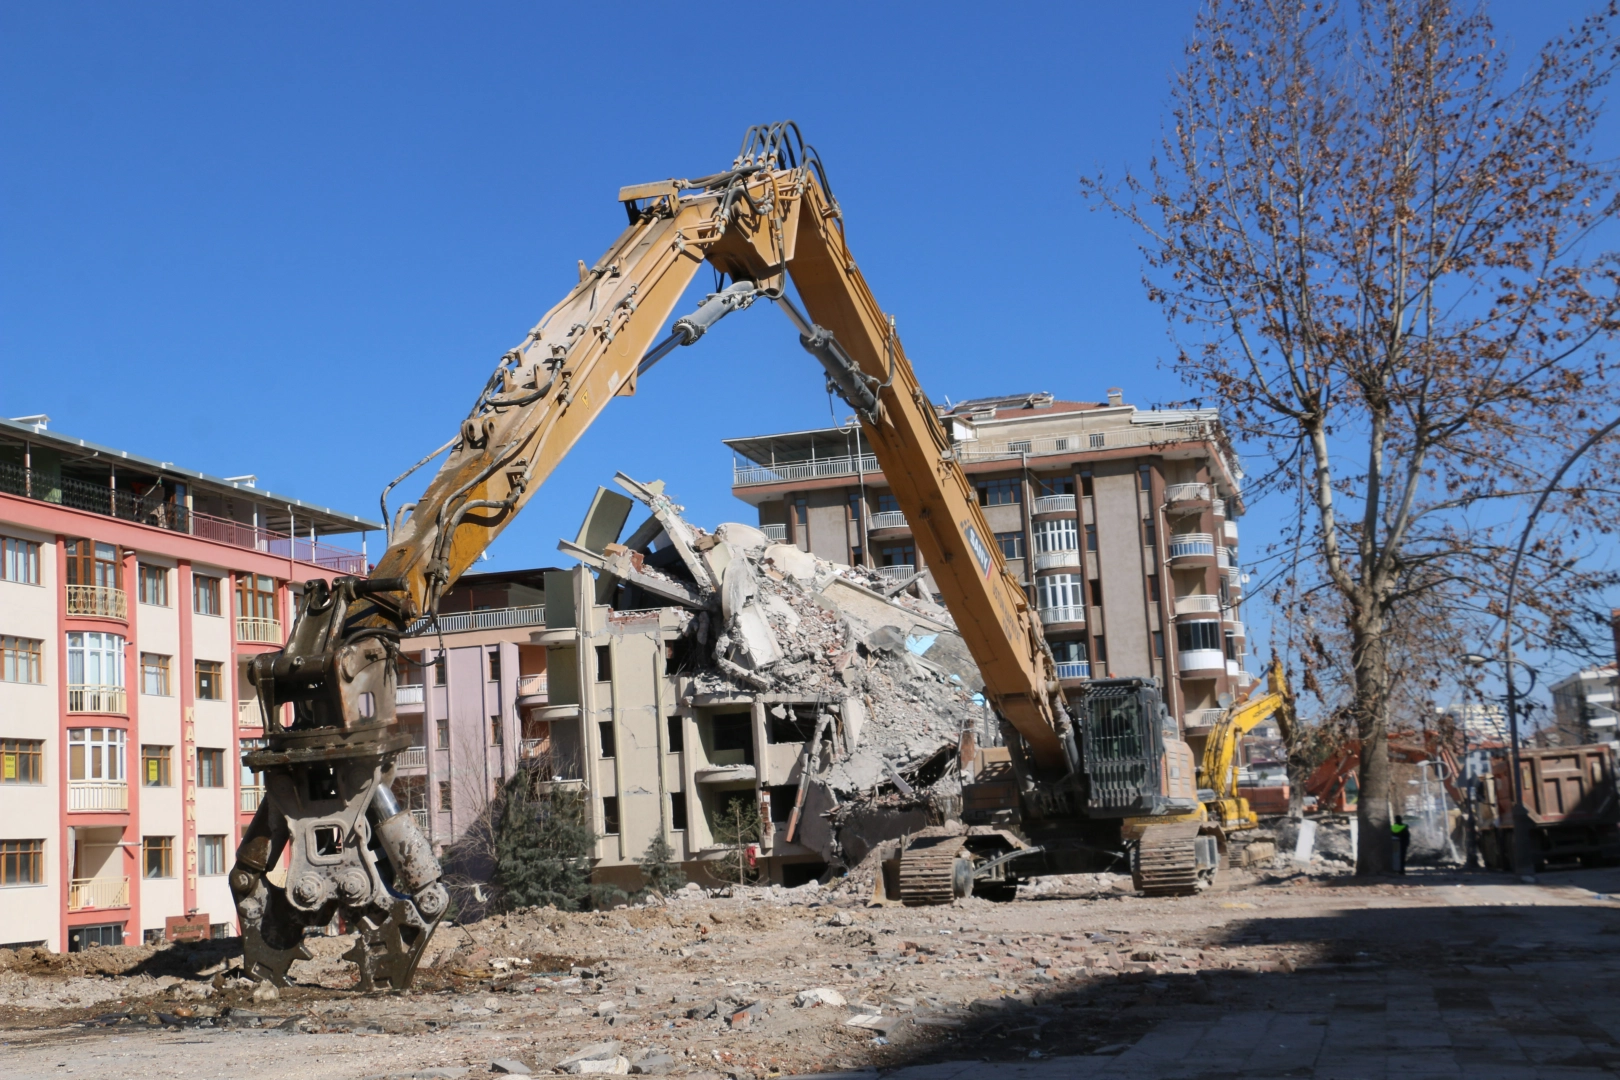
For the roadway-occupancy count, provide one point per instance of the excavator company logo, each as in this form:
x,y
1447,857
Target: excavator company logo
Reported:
x,y
980,552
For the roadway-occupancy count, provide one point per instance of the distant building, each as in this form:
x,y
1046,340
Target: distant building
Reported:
x,y
1483,724
1119,522
132,594
1584,704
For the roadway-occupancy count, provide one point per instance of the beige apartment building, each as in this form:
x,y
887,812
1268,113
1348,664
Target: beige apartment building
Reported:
x,y
1121,524
132,592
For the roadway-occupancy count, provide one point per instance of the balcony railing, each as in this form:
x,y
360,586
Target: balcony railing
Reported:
x,y
775,533
98,795
1185,544
1135,435
1064,613
1211,660
86,894
152,509
1233,667
247,713
887,519
531,685
421,819
408,694
1235,628
744,475
1054,504
1223,557
1203,718
412,757
251,798
1056,560
265,631
101,601
1219,506
897,573
1230,531
493,619
90,697
1198,604
1074,669
1186,493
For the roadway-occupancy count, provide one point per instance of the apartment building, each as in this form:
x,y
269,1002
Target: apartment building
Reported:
x,y
1586,704
1120,523
132,592
470,685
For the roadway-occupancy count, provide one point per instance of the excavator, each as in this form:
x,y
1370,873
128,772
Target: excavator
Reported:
x,y
330,840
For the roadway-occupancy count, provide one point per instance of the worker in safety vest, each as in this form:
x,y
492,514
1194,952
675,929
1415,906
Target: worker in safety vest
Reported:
x,y
1400,839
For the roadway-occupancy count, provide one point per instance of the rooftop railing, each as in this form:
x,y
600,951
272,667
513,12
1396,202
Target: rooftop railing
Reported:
x,y
750,473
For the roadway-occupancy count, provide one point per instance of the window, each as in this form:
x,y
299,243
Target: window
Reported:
x,y
250,779
1158,644
442,727
154,674
205,595
22,862
604,663
255,596
21,660
1091,538
90,563
81,938
1153,588
1231,645
1150,535
96,753
887,503
95,659
1085,483
155,765
157,856
855,507
1101,646
610,815
1056,485
22,761
1098,439
444,795
210,680
495,665
439,672
1001,492
1059,535
1144,476
677,735
210,768
1011,544
495,731
1059,591
604,733
1096,592
1069,652
898,555
677,810
1198,635
801,523
210,855
153,583
19,561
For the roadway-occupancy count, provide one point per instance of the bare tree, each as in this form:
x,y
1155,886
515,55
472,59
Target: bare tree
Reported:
x,y
1376,249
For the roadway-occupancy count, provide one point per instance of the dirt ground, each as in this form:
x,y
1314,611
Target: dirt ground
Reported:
x,y
711,984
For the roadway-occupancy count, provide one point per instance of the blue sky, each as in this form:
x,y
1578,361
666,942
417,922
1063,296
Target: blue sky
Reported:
x,y
293,240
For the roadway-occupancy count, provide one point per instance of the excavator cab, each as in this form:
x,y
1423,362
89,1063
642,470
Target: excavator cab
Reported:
x,y
1125,733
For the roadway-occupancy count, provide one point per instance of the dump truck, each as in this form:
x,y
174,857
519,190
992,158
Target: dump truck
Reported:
x,y
1572,800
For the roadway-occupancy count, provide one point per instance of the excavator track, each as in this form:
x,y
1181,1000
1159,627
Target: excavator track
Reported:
x,y
1166,862
929,873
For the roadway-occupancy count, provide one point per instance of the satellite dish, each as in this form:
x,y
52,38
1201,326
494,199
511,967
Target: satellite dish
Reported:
x,y
1224,701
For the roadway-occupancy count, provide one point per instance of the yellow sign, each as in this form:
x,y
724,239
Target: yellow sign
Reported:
x,y
9,770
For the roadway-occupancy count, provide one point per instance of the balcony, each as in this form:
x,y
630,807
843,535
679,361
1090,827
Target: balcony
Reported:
x,y
408,694
1074,669
1219,506
1232,668
1235,628
1063,613
750,473
248,714
897,573
251,798
531,686
412,757
1057,560
263,631
98,796
1223,557
1209,662
1191,545
886,519
1054,504
1203,718
421,819
1198,604
1137,434
93,698
93,894
777,534
1179,493
1230,531
491,619
97,601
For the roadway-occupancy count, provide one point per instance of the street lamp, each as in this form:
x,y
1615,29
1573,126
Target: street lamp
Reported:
x,y
1524,852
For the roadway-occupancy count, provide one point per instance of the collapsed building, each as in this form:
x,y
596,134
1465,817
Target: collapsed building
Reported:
x,y
690,671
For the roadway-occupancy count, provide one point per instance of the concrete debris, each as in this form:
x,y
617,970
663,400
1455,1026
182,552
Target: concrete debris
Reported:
x,y
821,995
510,1065
887,678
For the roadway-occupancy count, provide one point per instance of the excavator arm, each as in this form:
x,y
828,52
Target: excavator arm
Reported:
x,y
770,217
1217,773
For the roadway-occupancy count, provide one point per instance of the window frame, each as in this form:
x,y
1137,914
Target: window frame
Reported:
x,y
19,758
205,587
211,853
255,600
1000,491
1013,540
18,652
101,751
164,761
163,848
15,856
213,668
163,669
14,551
210,767
152,581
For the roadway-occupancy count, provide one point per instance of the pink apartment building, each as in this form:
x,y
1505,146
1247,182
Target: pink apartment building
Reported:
x,y
131,594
